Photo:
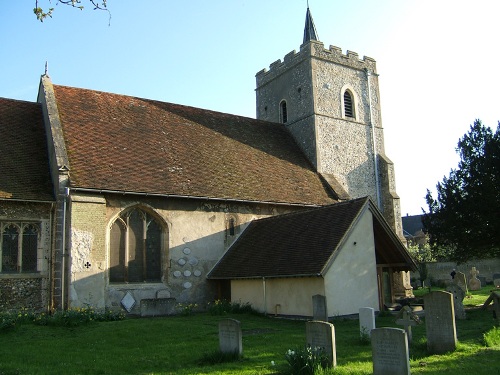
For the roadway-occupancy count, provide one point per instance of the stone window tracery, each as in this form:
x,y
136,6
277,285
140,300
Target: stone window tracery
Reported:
x,y
19,247
135,248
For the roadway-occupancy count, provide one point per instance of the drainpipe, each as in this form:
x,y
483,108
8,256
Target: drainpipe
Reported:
x,y
374,141
63,261
264,294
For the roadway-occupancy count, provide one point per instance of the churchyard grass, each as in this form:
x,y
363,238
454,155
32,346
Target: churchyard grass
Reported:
x,y
177,345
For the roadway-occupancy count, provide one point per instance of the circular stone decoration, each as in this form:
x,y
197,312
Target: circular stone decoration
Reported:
x,y
187,285
177,273
187,251
182,261
187,273
197,273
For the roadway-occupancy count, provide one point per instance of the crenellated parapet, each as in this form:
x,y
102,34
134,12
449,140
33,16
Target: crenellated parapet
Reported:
x,y
315,49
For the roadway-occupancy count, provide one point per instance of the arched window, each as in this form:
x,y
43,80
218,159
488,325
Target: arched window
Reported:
x,y
349,110
135,248
19,247
283,112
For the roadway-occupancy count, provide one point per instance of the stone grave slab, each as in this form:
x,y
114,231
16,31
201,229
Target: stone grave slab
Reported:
x,y
157,306
366,320
390,352
474,283
440,322
319,308
230,336
322,335
458,300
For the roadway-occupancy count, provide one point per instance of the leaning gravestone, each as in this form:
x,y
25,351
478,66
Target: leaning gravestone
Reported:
x,y
319,308
390,352
230,336
458,300
461,281
366,320
474,283
322,335
440,322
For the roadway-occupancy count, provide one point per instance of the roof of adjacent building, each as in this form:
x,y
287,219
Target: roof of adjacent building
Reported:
x,y
301,244
412,224
128,144
24,163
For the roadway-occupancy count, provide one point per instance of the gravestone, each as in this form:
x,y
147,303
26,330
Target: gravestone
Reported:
x,y
458,300
474,283
230,336
495,298
322,335
461,281
390,352
319,308
366,320
440,322
496,280
407,320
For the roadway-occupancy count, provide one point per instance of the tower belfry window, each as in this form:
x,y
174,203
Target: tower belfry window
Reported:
x,y
348,104
283,112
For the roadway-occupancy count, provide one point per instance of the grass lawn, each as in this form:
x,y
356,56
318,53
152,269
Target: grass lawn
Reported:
x,y
175,345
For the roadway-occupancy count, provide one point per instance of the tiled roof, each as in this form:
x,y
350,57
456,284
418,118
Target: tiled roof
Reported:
x,y
24,165
122,143
296,244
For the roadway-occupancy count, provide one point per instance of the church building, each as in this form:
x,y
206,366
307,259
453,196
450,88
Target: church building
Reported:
x,y
119,202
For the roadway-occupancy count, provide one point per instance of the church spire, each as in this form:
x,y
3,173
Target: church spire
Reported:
x,y
309,29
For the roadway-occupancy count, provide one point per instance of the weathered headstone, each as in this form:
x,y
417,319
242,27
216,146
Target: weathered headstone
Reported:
x,y
474,283
407,320
461,281
458,300
495,298
322,335
366,321
319,308
390,352
230,336
440,322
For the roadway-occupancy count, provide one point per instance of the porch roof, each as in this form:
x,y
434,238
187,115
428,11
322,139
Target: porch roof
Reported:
x,y
301,244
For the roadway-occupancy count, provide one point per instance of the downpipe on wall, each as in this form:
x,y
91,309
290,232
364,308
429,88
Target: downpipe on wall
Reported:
x,y
374,142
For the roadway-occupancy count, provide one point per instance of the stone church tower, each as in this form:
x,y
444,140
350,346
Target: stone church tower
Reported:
x,y
330,103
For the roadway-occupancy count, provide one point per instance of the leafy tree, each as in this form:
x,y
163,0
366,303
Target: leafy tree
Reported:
x,y
422,254
42,14
464,219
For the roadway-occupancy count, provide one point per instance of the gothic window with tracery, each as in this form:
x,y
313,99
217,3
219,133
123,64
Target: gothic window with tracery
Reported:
x,y
19,247
135,248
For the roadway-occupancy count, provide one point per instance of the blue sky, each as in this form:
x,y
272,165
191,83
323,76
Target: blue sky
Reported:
x,y
437,61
